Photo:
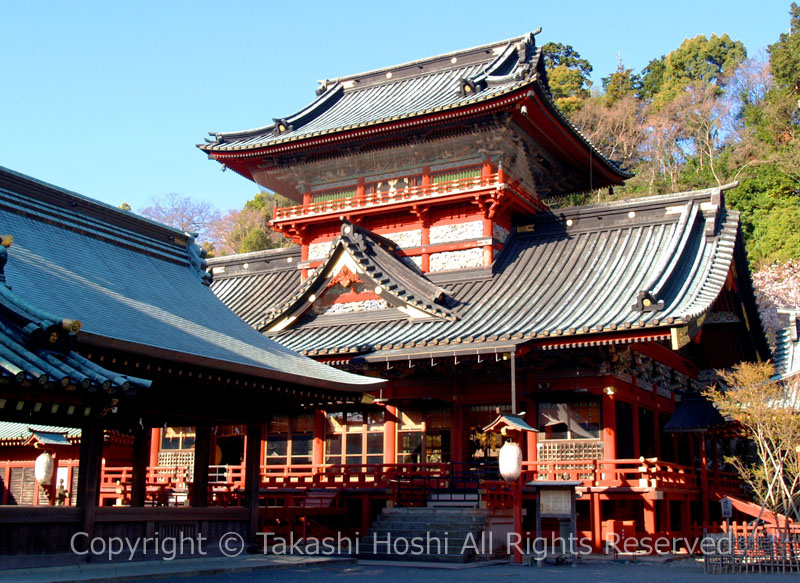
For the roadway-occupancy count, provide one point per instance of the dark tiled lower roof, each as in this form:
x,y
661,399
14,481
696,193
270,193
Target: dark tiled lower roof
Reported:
x,y
36,347
694,413
252,284
579,274
135,286
786,356
375,261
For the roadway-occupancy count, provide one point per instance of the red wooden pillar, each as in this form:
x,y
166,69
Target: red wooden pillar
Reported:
x,y
517,495
7,480
90,469
252,478
597,522
715,462
686,518
360,191
390,435
488,250
457,437
486,171
666,520
637,449
531,437
155,446
318,445
704,477
609,426
650,515
262,456
425,226
142,455
202,453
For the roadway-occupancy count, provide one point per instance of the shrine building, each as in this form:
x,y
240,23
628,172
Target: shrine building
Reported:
x,y
433,248
112,346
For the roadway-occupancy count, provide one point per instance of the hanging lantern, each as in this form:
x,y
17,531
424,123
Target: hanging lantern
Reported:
x,y
43,469
510,461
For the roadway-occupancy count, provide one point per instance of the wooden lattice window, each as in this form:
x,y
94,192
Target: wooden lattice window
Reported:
x,y
354,437
177,459
455,175
333,195
423,436
22,484
569,450
290,440
177,438
570,420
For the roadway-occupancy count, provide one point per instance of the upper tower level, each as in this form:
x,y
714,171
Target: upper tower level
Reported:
x,y
441,155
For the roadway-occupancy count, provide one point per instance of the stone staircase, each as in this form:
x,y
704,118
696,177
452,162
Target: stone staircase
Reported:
x,y
433,533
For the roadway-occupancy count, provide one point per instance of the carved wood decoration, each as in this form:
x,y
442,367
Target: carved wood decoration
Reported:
x,y
345,277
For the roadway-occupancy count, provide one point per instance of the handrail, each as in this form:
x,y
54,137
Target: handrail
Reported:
x,y
390,197
608,473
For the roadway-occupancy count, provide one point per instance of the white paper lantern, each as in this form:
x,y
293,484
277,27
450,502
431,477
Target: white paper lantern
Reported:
x,y
43,469
510,461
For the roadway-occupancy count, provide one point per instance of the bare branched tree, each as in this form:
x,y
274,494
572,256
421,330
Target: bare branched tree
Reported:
x,y
182,212
765,410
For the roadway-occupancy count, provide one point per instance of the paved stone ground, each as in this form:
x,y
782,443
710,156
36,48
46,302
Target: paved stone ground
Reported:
x,y
599,572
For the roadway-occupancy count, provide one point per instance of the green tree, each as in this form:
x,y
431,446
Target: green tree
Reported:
x,y
698,59
651,79
620,84
784,55
568,75
248,229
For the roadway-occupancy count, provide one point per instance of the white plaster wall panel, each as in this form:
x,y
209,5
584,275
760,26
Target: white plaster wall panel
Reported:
x,y
456,232
406,239
464,259
318,250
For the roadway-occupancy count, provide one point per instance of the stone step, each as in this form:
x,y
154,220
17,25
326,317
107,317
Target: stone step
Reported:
x,y
425,526
408,534
452,533
420,510
422,558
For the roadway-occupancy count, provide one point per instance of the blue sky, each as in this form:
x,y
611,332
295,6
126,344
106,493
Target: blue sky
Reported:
x,y
109,98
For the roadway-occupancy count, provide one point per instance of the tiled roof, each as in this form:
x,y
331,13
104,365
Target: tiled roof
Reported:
x,y
640,266
694,413
251,284
18,433
375,260
136,285
786,356
36,346
434,85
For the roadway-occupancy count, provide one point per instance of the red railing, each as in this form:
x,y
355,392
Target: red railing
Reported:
x,y
171,485
631,473
393,196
